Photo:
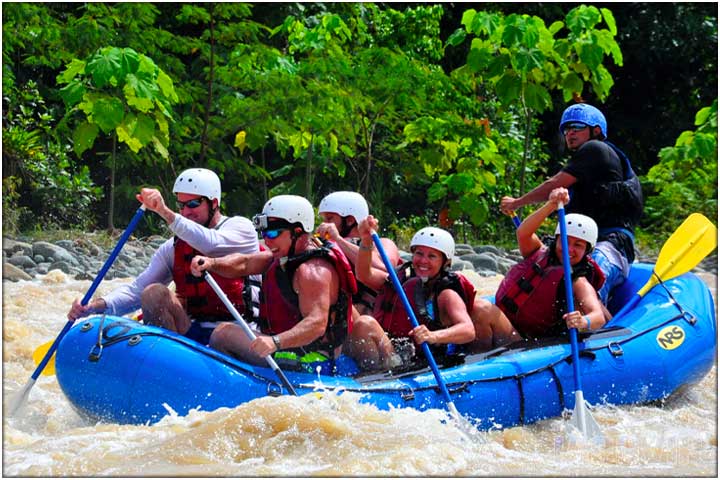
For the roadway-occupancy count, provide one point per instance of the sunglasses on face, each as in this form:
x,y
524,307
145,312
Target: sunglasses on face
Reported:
x,y
573,127
272,234
194,203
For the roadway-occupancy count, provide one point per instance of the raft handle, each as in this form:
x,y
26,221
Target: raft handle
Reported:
x,y
407,395
95,353
274,390
463,387
615,349
690,318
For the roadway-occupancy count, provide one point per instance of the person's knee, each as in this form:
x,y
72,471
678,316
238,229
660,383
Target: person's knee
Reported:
x,y
155,294
220,336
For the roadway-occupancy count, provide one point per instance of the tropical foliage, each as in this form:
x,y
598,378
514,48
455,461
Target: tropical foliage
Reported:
x,y
432,111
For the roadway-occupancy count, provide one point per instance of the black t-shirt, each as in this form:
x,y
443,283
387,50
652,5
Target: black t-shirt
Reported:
x,y
595,165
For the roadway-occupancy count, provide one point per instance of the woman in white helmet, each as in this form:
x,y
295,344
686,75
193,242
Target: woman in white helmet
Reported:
x,y
199,228
306,292
532,294
341,212
445,303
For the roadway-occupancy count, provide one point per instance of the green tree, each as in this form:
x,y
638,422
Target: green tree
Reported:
x,y
685,179
523,60
123,95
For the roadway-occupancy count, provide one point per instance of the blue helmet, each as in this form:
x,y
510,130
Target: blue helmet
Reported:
x,y
584,113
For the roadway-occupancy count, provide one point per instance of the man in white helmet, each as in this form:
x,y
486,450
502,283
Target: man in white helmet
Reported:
x,y
341,213
532,294
307,290
199,228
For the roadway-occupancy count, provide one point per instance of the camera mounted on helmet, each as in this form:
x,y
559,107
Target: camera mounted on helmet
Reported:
x,y
263,222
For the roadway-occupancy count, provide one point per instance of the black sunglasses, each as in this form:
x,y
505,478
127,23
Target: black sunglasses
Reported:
x,y
574,127
194,203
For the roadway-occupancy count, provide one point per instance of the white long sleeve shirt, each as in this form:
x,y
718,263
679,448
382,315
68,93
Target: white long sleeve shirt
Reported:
x,y
236,235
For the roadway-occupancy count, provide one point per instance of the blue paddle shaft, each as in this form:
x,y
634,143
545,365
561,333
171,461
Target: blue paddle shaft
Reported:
x,y
569,295
413,319
88,296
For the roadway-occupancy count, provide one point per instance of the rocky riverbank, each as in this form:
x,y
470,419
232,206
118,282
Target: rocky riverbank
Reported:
x,y
82,259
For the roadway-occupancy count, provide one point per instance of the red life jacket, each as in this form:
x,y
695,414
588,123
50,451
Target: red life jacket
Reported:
x,y
390,312
199,298
532,296
279,306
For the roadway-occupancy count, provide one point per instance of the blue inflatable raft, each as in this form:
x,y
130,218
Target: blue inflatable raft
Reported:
x,y
114,369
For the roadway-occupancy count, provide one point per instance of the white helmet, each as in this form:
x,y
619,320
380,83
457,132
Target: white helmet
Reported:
x,y
199,181
580,226
345,204
293,208
436,238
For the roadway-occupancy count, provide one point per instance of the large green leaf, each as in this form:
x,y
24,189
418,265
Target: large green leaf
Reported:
x,y
143,86
106,67
108,112
126,133
74,68
144,129
508,88
72,93
83,137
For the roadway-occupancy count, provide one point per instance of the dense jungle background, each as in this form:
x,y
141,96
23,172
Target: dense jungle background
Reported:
x,y
432,111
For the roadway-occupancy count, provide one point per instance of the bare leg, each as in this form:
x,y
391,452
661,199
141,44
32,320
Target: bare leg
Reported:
x,y
368,344
492,327
231,339
162,308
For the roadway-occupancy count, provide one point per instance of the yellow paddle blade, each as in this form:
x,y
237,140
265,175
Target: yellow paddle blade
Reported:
x,y
39,354
687,246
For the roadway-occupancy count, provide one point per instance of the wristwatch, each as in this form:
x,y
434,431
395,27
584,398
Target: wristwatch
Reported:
x,y
276,341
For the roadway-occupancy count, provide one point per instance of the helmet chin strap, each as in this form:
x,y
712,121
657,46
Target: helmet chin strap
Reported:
x,y
211,214
346,229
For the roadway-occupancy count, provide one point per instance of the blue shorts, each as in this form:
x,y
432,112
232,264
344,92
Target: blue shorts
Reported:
x,y
199,333
614,275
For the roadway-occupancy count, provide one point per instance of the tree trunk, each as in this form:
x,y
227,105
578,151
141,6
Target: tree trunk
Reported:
x,y
111,200
211,77
308,171
526,147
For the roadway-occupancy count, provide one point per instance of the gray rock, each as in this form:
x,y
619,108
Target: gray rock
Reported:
x,y
22,261
68,245
489,248
11,246
13,273
482,261
458,264
504,265
56,252
463,249
63,266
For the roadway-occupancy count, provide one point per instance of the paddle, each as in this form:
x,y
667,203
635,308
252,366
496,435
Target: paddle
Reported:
x,y
250,334
581,417
23,394
413,319
687,246
515,218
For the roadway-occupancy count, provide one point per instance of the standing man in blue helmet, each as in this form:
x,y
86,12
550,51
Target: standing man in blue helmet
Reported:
x,y
602,186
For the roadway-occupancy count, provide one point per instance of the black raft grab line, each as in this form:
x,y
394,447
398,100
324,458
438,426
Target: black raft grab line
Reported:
x,y
204,351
